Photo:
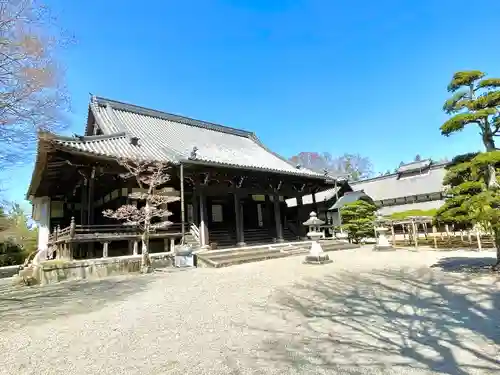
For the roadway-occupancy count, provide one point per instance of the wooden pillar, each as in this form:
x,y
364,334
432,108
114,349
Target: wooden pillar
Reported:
x,y
196,208
315,204
434,233
240,236
447,229
393,234
172,245
135,248
83,201
469,236
277,218
166,245
90,202
204,235
183,208
478,236
105,249
415,234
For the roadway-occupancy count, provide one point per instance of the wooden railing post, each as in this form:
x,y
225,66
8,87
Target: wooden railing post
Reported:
x,y
72,227
105,249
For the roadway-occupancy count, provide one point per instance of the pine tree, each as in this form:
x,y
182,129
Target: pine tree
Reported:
x,y
476,102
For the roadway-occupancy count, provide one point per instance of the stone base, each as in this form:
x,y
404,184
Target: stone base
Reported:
x,y
317,259
241,244
383,248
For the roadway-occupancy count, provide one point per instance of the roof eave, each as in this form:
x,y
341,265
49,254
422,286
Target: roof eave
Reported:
x,y
216,164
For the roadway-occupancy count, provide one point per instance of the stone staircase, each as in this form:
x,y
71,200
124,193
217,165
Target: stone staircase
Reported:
x,y
247,254
190,240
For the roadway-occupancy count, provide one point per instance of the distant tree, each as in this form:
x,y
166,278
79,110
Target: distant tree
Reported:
x,y
476,101
32,94
417,158
358,219
356,166
17,238
153,214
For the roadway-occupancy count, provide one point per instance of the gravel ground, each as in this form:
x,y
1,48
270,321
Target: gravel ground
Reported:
x,y
365,313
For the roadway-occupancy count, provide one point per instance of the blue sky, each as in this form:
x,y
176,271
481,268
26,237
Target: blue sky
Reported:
x,y
305,75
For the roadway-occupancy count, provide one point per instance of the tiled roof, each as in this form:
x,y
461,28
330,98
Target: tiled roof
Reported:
x,y
414,166
394,186
347,198
424,206
321,196
167,137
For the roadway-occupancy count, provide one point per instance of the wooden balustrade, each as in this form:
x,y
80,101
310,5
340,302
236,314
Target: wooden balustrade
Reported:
x,y
75,232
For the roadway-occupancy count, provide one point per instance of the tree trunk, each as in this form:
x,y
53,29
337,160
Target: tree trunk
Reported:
x,y
496,233
489,144
146,266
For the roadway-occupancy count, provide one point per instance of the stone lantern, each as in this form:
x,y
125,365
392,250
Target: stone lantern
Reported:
x,y
316,254
381,231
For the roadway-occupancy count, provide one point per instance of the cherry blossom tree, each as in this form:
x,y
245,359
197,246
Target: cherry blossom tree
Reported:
x,y
151,216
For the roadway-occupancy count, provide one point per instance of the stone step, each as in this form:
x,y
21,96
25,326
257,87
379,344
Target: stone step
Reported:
x,y
257,257
333,246
238,253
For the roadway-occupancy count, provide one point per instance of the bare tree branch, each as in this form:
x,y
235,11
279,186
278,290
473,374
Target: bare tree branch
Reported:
x,y
32,96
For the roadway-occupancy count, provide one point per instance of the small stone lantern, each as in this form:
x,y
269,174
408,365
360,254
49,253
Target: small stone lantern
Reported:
x,y
316,254
382,241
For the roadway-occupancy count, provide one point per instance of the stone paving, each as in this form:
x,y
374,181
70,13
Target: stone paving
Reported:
x,y
365,313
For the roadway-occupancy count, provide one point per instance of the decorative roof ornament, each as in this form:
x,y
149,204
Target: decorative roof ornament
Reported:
x,y
134,141
326,173
193,155
298,166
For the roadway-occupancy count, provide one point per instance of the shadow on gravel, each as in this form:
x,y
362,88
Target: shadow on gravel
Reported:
x,y
371,322
21,306
466,264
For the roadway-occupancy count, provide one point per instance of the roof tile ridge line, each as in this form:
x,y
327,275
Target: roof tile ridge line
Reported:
x,y
256,139
95,111
113,117
386,176
88,138
173,117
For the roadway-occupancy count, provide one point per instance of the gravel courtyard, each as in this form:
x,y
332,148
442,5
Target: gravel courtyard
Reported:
x,y
366,313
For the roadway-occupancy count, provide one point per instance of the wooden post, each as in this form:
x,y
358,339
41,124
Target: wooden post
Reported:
x,y
478,236
166,245
434,230
135,248
415,233
204,235
172,245
277,218
447,229
469,236
183,213
105,249
461,235
393,234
